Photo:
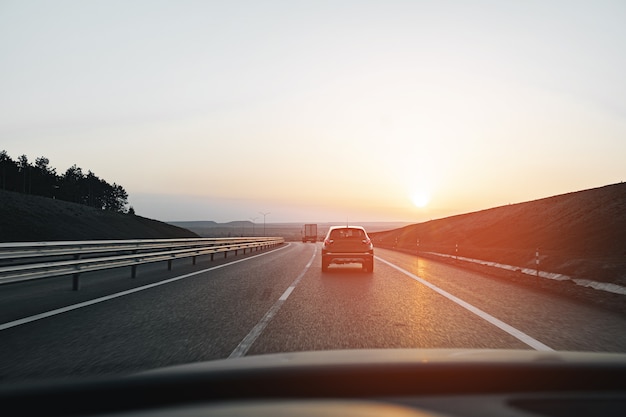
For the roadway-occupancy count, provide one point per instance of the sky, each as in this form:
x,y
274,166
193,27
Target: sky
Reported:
x,y
319,111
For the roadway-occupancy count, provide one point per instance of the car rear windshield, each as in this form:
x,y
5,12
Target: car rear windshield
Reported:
x,y
347,234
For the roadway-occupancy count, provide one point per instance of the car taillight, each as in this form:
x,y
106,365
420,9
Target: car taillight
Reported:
x,y
327,242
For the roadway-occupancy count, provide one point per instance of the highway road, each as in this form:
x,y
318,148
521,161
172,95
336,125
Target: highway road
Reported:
x,y
278,301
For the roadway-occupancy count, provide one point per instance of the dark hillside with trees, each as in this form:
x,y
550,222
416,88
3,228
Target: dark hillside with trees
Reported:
x,y
29,218
74,185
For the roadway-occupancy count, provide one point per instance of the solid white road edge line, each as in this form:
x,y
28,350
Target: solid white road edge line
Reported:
x,y
518,334
40,316
256,331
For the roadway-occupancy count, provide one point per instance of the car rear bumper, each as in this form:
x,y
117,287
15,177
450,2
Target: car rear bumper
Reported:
x,y
346,258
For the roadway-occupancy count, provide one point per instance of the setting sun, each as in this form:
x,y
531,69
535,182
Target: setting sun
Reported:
x,y
420,199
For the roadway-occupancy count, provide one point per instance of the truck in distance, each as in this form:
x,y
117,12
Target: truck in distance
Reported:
x,y
309,233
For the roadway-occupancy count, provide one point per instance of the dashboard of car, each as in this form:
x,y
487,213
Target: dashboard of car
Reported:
x,y
395,382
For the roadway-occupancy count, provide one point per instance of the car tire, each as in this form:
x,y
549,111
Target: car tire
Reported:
x,y
324,266
368,267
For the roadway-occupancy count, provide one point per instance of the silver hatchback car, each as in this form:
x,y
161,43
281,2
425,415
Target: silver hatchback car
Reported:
x,y
348,244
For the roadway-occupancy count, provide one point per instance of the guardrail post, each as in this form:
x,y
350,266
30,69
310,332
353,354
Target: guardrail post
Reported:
x,y
76,276
169,264
212,257
133,269
193,260
225,254
537,260
76,282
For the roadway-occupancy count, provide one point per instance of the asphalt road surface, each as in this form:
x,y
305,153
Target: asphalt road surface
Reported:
x,y
279,301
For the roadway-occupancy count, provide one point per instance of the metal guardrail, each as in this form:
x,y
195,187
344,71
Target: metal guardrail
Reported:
x,y
24,261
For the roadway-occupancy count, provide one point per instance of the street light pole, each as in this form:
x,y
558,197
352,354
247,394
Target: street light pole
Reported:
x,y
264,214
253,220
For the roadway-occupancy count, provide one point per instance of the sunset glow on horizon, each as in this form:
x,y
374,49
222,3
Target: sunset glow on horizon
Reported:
x,y
318,111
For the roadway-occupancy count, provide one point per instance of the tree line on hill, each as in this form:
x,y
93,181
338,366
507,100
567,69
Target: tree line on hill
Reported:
x,y
74,185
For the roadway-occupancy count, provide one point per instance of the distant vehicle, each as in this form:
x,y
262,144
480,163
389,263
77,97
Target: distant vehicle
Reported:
x,y
310,233
348,244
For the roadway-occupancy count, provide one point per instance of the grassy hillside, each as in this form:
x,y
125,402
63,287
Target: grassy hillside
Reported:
x,y
581,234
33,218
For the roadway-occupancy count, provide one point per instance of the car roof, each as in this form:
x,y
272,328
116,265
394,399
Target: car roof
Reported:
x,y
346,227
